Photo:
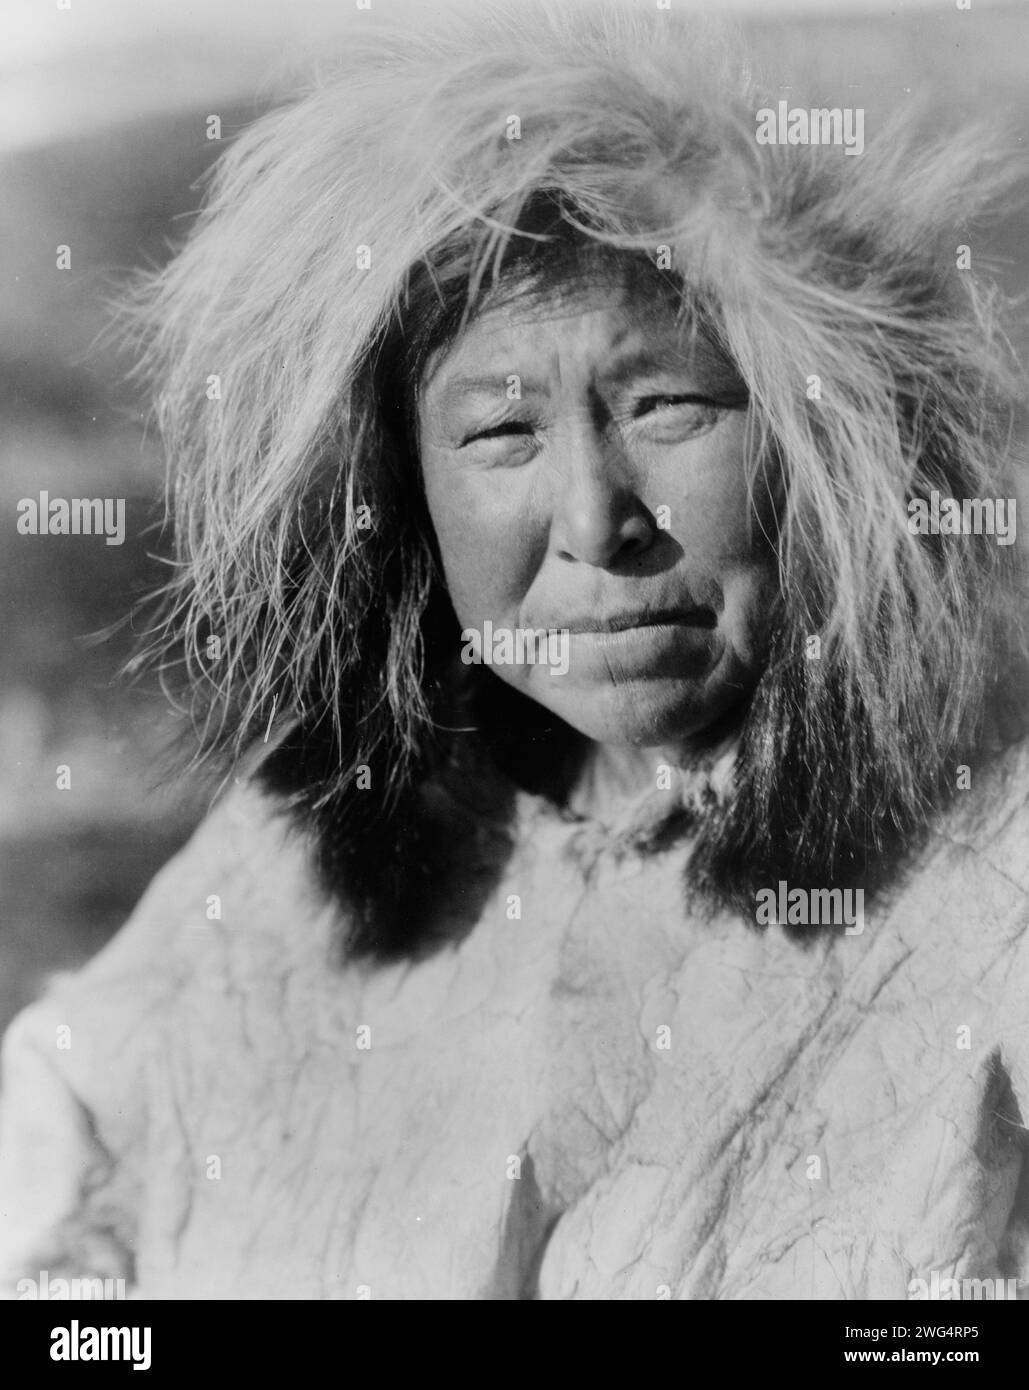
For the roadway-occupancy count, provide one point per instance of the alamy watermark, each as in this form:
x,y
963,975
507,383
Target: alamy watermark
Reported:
x,y
812,907
46,1289
836,125
76,516
987,1290
978,516
520,646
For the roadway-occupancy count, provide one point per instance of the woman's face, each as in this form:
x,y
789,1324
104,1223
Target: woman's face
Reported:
x,y
586,474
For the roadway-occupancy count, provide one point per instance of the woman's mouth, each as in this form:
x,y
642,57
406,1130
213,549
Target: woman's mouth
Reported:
x,y
626,621
673,646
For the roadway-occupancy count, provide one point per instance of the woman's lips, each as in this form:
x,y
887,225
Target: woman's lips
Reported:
x,y
679,648
703,618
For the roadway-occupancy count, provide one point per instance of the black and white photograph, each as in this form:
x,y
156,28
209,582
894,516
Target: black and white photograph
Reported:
x,y
514,692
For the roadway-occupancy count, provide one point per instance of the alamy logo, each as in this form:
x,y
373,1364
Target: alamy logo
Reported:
x,y
819,126
77,1343
521,646
802,907
78,516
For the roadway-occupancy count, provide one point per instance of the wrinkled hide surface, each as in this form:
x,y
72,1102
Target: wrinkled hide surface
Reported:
x,y
516,1127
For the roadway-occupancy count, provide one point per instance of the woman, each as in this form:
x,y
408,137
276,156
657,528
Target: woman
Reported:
x,y
620,891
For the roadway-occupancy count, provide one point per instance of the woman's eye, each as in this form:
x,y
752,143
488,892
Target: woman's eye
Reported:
x,y
649,404
507,429
672,419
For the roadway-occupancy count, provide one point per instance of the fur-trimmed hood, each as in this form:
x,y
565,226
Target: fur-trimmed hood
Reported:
x,y
873,357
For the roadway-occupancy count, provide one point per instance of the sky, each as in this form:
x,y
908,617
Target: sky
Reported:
x,y
72,66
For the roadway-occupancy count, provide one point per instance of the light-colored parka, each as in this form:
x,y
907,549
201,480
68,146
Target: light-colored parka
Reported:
x,y
588,1097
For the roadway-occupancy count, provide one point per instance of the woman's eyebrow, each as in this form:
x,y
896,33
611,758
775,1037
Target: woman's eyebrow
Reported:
x,y
703,365
645,360
492,386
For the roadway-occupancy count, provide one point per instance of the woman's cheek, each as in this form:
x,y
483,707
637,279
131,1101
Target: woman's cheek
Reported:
x,y
485,555
703,485
750,591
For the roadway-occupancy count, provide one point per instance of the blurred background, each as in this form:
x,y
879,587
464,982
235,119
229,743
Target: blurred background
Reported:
x,y
103,121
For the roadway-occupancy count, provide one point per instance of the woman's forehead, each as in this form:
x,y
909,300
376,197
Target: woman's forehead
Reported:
x,y
615,320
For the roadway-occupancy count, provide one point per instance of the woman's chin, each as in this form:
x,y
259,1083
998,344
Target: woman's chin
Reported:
x,y
643,714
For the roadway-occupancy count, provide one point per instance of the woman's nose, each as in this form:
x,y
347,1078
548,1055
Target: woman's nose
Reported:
x,y
597,515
